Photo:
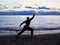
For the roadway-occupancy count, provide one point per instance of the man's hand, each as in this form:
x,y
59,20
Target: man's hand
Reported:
x,y
32,16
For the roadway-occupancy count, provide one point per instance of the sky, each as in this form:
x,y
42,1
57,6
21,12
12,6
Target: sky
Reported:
x,y
21,4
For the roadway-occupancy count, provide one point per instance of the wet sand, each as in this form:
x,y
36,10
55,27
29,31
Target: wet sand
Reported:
x,y
48,39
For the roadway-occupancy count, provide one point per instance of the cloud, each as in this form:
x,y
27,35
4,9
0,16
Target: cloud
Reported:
x,y
17,6
3,6
58,9
44,8
30,7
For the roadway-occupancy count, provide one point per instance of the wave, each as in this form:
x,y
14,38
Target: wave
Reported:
x,y
19,29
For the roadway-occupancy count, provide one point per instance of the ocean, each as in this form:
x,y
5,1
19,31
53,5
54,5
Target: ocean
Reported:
x,y
42,24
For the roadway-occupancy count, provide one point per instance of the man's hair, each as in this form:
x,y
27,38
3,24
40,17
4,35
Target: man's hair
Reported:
x,y
27,17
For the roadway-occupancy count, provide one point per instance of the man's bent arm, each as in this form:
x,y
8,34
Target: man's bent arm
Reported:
x,y
22,23
32,16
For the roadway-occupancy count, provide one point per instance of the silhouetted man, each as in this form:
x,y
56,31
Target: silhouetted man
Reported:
x,y
26,27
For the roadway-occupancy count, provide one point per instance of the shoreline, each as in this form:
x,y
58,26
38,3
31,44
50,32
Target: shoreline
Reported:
x,y
36,32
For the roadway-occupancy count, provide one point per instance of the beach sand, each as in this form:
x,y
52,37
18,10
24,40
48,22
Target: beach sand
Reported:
x,y
47,39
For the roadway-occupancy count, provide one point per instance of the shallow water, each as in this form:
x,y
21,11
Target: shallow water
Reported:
x,y
38,22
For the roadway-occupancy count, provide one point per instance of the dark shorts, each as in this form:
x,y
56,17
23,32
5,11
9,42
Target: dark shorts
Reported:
x,y
27,28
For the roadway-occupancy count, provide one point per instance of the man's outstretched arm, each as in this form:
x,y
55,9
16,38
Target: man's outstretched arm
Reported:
x,y
32,16
22,23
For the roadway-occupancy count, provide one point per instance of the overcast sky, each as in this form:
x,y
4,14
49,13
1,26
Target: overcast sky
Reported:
x,y
34,3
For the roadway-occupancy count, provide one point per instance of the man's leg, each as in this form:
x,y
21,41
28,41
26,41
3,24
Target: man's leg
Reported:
x,y
20,32
31,31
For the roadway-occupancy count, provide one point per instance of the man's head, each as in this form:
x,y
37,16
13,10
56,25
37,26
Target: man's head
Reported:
x,y
27,18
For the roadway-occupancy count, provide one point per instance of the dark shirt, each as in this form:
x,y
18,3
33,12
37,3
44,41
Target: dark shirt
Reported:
x,y
27,22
